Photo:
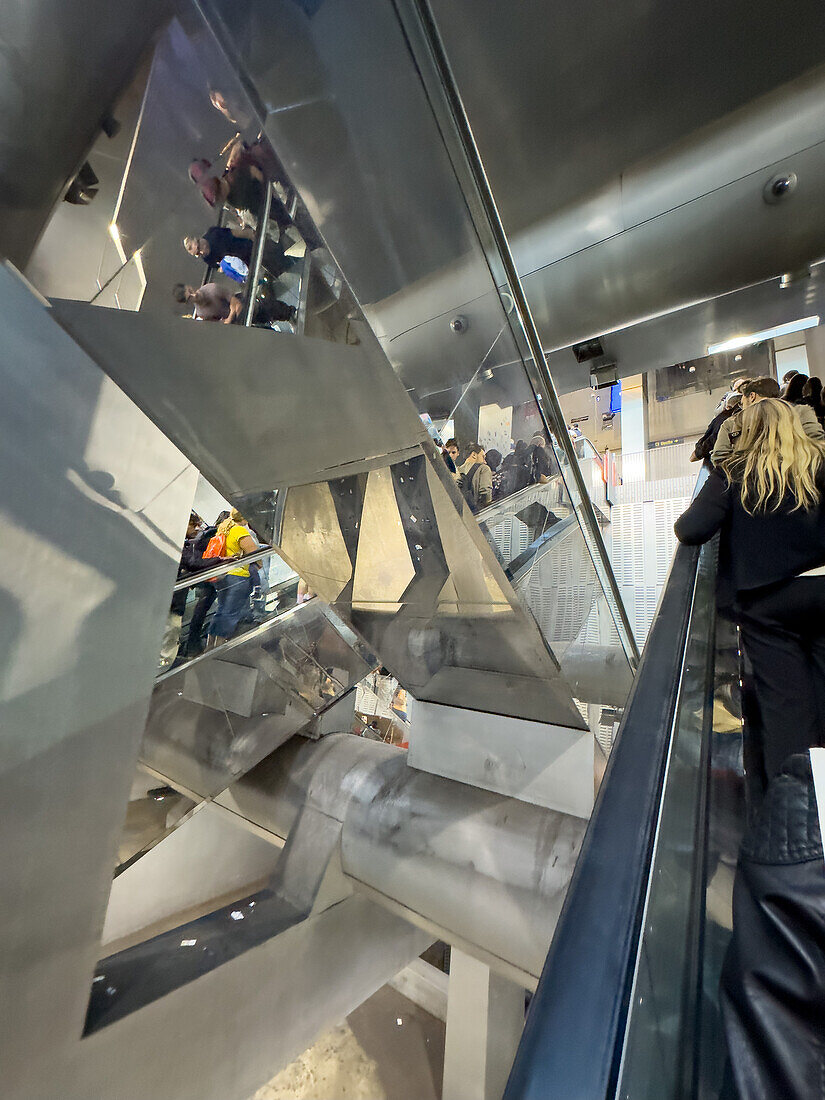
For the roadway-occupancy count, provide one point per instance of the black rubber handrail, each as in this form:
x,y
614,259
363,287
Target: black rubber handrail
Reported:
x,y
572,1040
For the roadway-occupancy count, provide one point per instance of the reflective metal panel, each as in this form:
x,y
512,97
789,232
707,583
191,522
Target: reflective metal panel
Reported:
x,y
433,602
456,618
564,100
63,66
245,405
212,720
93,503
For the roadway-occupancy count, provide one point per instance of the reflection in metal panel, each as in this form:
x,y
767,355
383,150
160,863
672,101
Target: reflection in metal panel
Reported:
x,y
244,406
435,604
93,500
457,619
64,65
212,720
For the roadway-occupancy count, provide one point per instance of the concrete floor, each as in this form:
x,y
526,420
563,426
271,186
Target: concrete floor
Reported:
x,y
387,1049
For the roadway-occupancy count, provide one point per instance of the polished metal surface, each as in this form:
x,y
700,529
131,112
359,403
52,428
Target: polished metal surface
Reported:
x,y
367,512
382,112
225,1034
238,403
554,769
566,100
685,335
398,556
212,720
479,869
769,240
153,811
94,501
458,134
64,64
686,172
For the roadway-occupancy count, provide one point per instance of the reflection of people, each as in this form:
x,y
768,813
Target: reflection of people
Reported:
x,y
243,183
210,302
575,432
235,587
451,451
218,101
218,242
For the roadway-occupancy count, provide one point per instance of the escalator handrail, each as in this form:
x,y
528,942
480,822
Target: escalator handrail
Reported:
x,y
228,565
572,1040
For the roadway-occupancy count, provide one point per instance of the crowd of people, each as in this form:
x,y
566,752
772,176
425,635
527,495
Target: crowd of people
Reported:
x,y
236,592
240,187
765,496
484,475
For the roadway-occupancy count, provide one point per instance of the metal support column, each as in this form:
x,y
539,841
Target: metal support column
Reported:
x,y
485,1017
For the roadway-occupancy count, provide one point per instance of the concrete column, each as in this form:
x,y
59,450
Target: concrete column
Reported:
x,y
485,1017
634,428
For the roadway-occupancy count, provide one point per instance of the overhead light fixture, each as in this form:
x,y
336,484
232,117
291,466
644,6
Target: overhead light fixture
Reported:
x,y
766,334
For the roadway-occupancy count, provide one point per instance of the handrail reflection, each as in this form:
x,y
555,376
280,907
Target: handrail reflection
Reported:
x,y
242,636
221,570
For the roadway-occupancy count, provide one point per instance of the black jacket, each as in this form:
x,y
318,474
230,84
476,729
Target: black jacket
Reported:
x,y
773,978
704,445
754,550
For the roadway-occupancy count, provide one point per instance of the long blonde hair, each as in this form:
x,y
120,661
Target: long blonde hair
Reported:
x,y
773,457
234,518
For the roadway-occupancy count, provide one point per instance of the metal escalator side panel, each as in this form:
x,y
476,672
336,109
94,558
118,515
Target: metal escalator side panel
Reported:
x,y
458,616
588,975
210,722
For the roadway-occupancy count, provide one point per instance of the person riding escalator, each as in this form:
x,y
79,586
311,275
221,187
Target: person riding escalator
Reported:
x,y
768,503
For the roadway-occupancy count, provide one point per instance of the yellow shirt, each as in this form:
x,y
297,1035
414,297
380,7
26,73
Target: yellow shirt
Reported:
x,y
233,539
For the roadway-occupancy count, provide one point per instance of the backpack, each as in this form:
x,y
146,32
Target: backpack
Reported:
x,y
216,548
515,475
468,484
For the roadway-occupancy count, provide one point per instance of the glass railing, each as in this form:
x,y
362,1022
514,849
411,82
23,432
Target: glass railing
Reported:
x,y
426,287
197,600
627,1004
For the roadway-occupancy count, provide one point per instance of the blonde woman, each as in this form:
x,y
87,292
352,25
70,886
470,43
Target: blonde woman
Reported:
x,y
767,503
235,588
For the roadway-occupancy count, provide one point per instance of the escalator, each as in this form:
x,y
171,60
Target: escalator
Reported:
x,y
627,1004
